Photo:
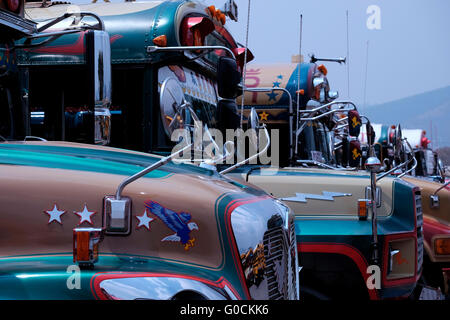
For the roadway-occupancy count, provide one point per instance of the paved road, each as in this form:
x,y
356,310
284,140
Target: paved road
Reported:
x,y
429,293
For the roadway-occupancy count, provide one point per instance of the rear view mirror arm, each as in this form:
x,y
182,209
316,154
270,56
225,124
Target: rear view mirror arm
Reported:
x,y
147,170
441,187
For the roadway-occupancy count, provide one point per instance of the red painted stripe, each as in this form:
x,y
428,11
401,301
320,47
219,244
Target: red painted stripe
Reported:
x,y
432,227
344,249
411,234
401,281
235,253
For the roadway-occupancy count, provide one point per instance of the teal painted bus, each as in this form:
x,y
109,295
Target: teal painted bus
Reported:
x,y
183,42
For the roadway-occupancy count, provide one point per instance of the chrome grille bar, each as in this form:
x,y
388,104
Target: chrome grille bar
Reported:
x,y
419,219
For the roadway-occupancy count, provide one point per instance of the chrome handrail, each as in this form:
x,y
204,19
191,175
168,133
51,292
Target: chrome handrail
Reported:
x,y
325,114
411,169
415,160
324,165
401,165
249,158
151,49
328,105
56,34
34,137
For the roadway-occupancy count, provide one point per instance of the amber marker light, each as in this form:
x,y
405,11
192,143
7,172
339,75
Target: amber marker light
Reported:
x,y
223,18
85,245
301,92
362,208
81,246
442,246
323,69
160,41
212,10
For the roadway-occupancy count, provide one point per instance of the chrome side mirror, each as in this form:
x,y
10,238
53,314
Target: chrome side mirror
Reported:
x,y
173,106
434,201
434,198
117,209
441,170
254,119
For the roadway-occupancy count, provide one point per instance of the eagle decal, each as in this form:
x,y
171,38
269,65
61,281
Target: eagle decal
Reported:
x,y
179,222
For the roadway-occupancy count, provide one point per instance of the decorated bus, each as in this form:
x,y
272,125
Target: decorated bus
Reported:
x,y
180,62
344,230
154,45
87,221
424,169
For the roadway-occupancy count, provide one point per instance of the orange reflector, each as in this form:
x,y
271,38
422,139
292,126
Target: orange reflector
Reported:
x,y
81,252
442,246
160,41
85,245
323,69
217,14
362,208
301,91
212,10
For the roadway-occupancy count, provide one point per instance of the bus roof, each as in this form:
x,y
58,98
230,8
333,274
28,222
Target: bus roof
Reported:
x,y
132,26
275,75
103,9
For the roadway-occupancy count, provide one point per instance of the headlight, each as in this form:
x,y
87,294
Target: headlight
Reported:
x,y
131,286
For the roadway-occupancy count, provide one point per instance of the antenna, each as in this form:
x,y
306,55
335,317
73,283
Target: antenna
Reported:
x,y
348,61
365,80
298,84
245,63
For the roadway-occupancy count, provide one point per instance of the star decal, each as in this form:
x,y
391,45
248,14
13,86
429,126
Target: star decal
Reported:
x,y
272,96
55,214
276,84
144,220
280,77
85,215
263,116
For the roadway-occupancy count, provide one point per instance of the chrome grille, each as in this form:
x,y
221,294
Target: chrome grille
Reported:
x,y
281,264
265,236
276,262
419,219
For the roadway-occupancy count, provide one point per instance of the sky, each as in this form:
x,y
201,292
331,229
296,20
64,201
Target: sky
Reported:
x,y
406,50
407,55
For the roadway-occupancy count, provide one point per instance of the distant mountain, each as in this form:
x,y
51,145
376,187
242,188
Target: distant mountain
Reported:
x,y
418,112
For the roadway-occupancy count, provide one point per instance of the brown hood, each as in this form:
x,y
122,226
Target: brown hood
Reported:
x,y
28,188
